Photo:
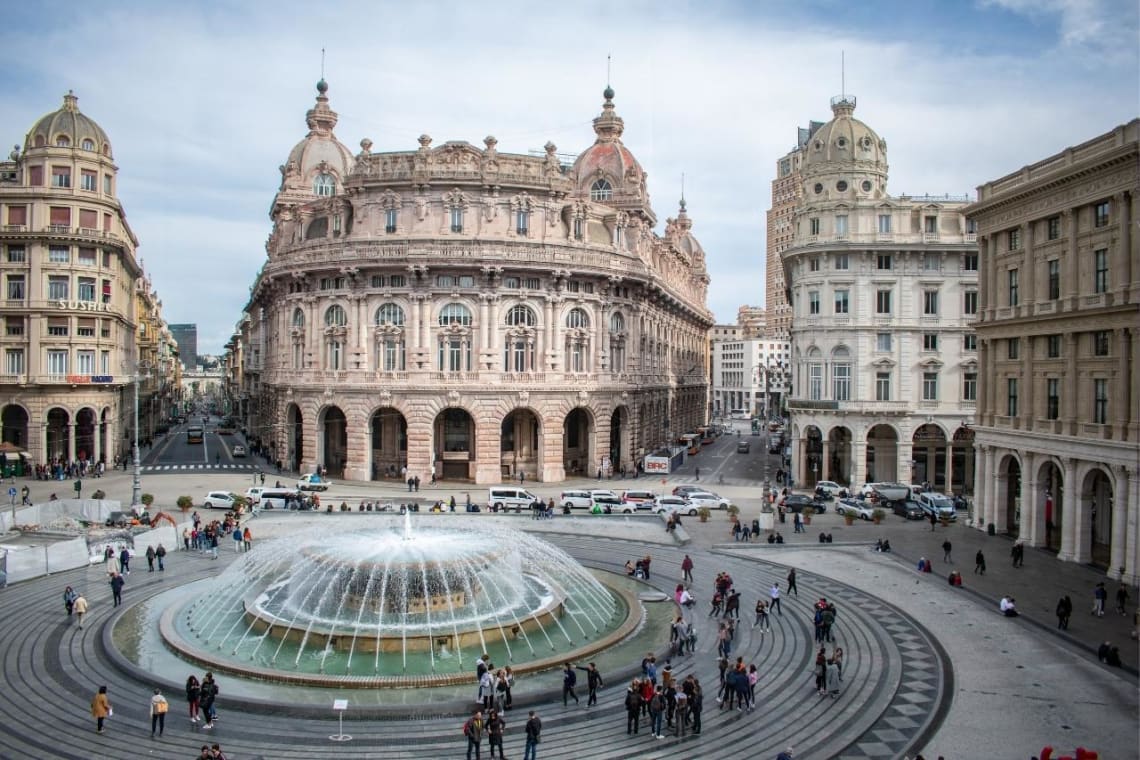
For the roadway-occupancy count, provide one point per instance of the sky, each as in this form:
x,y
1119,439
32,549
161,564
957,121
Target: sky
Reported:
x,y
203,101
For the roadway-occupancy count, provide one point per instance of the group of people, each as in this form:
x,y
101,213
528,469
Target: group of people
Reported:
x,y
668,704
201,697
494,726
494,690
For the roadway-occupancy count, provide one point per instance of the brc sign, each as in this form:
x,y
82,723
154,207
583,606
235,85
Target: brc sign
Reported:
x,y
657,464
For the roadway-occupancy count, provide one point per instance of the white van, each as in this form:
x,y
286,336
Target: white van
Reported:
x,y
508,497
277,498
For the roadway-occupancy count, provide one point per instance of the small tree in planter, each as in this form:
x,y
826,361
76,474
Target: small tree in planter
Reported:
x,y
877,515
99,494
703,514
185,503
147,499
807,514
733,512
848,518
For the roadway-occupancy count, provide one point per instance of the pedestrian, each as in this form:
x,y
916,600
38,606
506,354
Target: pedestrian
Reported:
x,y
160,555
979,563
101,708
632,707
236,533
569,680
473,730
69,597
1100,595
193,696
486,696
533,734
205,754
1064,611
1121,599
80,607
792,582
698,474
158,708
186,535
774,606
687,569
209,698
416,483
593,683
125,561
656,712
116,589
411,482
247,538
933,521
495,728
797,521
946,546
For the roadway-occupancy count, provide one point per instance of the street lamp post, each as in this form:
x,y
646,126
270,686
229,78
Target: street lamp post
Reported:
x,y
136,481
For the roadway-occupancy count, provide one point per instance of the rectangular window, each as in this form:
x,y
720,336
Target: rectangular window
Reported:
x,y
532,283
56,362
1012,280
17,254
842,261
36,176
457,220
813,302
579,226
1100,402
929,386
883,302
842,305
930,341
90,181
59,254
13,326
336,349
970,386
105,363
87,257
61,176
1100,270
931,262
930,303
106,291
85,328
59,216
969,262
1011,397
18,215
1053,228
970,302
88,219
1053,346
883,342
1052,399
107,223
969,342
883,261
841,226
813,264
1054,279
930,225
813,225
85,362
107,184
841,382
522,221
1100,216
815,382
16,285
14,361
86,290
884,224
1014,238
1013,348
1100,343
390,220
59,288
58,326
882,386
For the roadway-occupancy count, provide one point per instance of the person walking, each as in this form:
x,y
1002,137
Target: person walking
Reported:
x,y
593,683
247,538
158,708
80,607
101,708
979,563
687,569
569,680
533,734
1121,599
792,582
933,521
774,606
209,697
117,589
473,730
761,616
125,561
160,555
1064,611
69,597
698,472
633,707
193,696
946,546
1100,595
150,559
236,533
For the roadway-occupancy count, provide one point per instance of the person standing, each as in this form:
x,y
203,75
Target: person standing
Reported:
x,y
698,474
946,546
933,521
416,483
979,563
495,728
158,708
593,683
160,555
473,730
1121,599
237,539
209,698
533,733
1064,611
117,589
100,708
569,681
150,559
247,538
774,606
193,696
632,707
687,569
792,582
125,561
69,597
80,607
1100,595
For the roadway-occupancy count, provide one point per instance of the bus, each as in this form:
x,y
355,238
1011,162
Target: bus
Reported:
x,y
194,434
739,414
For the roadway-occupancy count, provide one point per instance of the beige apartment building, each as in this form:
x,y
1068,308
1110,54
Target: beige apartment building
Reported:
x,y
469,313
1059,334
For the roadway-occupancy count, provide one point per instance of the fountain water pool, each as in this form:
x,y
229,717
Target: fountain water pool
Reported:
x,y
393,605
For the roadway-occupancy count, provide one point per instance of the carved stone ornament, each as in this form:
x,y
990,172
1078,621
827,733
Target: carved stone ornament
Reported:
x,y
524,397
453,398
328,394
289,392
385,397
583,396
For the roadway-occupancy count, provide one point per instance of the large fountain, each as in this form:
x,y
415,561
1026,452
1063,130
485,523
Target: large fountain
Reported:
x,y
389,605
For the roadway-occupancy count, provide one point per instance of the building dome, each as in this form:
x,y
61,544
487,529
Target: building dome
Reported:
x,y
607,171
319,157
851,155
68,128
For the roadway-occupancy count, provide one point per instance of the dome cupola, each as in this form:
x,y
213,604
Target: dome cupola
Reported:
x,y
607,172
68,128
318,164
844,159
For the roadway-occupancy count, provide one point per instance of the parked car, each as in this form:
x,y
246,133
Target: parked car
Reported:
x,y
667,504
798,502
911,510
608,503
575,499
219,500
707,499
743,447
313,482
885,491
253,495
941,505
639,499
855,508
686,490
830,487
238,451
507,497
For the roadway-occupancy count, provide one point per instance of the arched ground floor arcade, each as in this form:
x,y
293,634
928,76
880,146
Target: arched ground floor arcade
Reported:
x,y
1077,497
468,435
85,424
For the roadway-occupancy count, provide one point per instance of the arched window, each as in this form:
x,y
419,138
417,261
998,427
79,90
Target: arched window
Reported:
x,y
578,319
298,318
62,141
390,314
617,322
318,228
601,190
324,185
521,316
88,144
336,317
455,314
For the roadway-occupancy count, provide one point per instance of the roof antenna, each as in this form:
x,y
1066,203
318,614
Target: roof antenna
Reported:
x,y
608,56
682,191
842,73
322,63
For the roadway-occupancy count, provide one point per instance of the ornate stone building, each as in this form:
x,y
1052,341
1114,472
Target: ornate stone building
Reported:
x,y
1059,332
883,291
77,317
470,312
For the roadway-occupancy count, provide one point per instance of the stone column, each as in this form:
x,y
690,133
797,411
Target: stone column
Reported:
x,y
97,452
985,392
413,328
1121,270
1069,399
420,420
495,337
1120,508
1028,269
990,479
948,478
1119,398
904,456
1071,515
425,327
547,359
71,430
1032,506
308,454
1131,558
1071,282
858,457
358,439
485,332
1027,413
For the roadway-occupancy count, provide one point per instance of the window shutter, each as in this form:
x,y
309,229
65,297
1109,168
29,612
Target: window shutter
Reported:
x,y
88,218
17,215
60,216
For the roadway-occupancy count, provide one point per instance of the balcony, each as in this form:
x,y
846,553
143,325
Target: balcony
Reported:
x,y
930,237
12,228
